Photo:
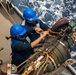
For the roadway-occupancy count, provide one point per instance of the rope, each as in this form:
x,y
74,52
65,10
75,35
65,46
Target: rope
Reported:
x,y
7,13
53,31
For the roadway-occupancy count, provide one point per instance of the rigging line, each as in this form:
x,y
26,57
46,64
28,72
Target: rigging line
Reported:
x,y
7,13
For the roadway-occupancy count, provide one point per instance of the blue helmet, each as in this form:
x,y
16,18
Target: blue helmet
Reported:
x,y
29,14
17,30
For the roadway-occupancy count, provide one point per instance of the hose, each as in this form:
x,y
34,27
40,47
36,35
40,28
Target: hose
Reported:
x,y
53,31
52,61
43,64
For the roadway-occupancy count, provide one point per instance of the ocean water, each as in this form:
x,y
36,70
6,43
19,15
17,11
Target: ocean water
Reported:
x,y
49,11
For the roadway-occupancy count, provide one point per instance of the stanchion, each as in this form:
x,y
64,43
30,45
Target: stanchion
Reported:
x,y
7,12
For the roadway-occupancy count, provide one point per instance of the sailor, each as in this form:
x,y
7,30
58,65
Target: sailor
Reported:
x,y
31,21
74,46
21,48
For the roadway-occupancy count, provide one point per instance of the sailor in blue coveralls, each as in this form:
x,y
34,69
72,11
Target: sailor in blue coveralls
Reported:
x,y
32,21
74,46
21,48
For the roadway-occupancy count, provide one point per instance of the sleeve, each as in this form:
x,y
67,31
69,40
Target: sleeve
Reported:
x,y
22,47
43,26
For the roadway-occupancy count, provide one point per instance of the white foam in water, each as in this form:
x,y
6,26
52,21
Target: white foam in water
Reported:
x,y
73,54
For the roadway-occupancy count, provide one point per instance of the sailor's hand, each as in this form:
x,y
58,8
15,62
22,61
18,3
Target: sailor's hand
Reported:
x,y
38,30
45,33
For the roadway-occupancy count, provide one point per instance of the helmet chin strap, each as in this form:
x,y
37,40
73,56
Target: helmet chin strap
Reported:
x,y
31,24
20,38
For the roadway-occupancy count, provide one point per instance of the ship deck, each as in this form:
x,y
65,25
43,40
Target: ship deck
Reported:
x,y
5,24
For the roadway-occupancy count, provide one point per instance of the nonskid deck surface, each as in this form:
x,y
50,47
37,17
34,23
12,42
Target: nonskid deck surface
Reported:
x,y
5,24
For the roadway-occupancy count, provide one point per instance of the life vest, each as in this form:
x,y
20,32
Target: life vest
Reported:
x,y
19,57
32,36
